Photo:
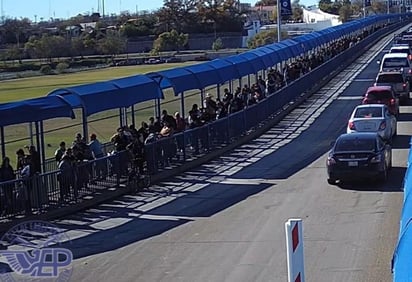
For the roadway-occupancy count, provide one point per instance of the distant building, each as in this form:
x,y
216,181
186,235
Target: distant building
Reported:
x,y
313,20
265,14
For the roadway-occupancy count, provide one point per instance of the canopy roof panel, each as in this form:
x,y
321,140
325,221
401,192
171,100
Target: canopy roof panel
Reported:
x,y
32,110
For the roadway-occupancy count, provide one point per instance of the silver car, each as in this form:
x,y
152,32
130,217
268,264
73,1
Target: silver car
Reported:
x,y
373,118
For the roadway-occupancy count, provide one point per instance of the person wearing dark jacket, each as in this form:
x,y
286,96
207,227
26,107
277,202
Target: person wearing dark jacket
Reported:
x,y
6,174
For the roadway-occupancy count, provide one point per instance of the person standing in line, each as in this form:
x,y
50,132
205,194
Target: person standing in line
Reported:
x,y
58,154
97,152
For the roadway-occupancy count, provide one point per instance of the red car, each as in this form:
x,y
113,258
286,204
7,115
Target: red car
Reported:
x,y
382,95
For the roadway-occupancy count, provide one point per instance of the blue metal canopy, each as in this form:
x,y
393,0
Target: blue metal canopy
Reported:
x,y
266,56
113,94
180,79
206,74
273,55
32,110
227,71
243,65
280,50
256,60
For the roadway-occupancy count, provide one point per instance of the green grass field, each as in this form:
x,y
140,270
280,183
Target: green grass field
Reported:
x,y
103,124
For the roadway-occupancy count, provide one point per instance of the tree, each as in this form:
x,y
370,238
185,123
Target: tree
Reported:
x,y
345,12
378,7
170,41
297,11
48,46
175,13
263,38
16,30
113,44
217,44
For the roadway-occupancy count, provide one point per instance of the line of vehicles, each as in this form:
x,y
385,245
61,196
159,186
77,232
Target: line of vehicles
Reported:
x,y
365,150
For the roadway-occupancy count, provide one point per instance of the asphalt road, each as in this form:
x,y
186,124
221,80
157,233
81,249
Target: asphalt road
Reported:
x,y
225,220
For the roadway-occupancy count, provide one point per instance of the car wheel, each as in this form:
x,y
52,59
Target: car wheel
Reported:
x,y
331,181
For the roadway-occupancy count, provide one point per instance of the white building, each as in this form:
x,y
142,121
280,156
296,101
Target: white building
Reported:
x,y
313,20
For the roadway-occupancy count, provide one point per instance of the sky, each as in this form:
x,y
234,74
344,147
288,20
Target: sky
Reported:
x,y
46,9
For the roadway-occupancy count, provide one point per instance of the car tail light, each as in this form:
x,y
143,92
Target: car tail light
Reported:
x,y
410,71
331,161
376,159
383,125
404,85
392,101
351,125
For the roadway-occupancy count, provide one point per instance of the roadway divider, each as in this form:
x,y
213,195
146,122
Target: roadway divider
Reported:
x,y
402,257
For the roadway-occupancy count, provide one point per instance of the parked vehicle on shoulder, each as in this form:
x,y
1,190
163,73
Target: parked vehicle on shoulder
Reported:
x,y
399,82
382,95
373,118
360,155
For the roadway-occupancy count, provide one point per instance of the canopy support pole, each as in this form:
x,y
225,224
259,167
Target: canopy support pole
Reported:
x,y
125,116
31,133
182,105
157,108
133,116
85,128
240,82
42,147
3,145
202,98
121,117
36,124
230,86
248,79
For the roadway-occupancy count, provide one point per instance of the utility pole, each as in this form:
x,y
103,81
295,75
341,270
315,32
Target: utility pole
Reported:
x,y
279,20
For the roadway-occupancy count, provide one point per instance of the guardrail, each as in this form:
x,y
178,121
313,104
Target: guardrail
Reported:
x,y
52,190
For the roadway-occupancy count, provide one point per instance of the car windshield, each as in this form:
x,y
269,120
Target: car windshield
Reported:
x,y
368,112
395,62
379,95
390,78
400,50
355,144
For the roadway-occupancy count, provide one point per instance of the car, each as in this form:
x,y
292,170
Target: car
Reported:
x,y
399,82
401,48
360,155
373,118
396,61
172,60
382,95
153,61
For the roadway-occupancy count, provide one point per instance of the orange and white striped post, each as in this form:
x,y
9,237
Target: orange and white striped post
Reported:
x,y
294,250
